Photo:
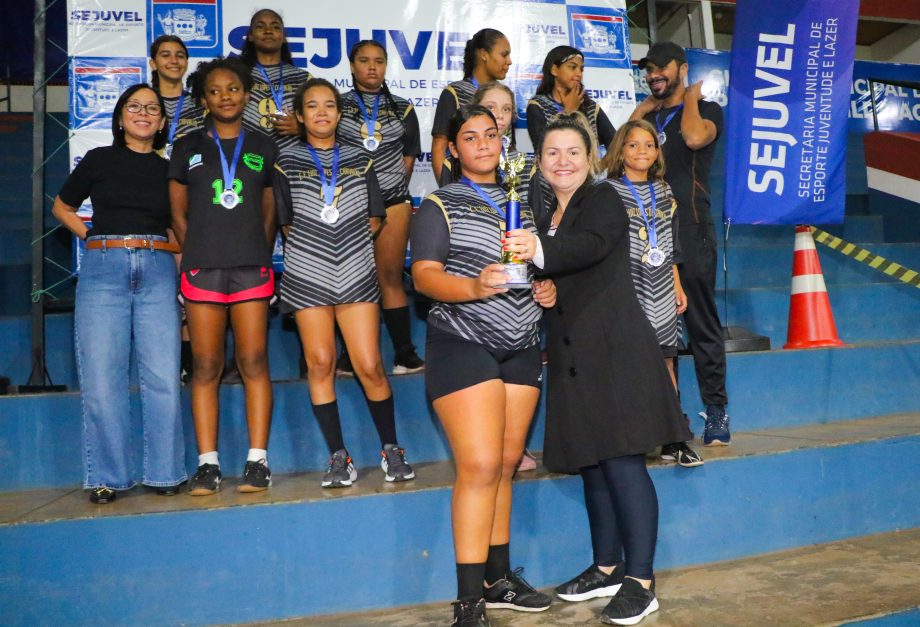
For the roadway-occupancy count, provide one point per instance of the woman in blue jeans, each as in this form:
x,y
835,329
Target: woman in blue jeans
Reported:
x,y
127,290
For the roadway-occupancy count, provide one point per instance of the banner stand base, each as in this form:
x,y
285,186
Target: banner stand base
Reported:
x,y
37,389
742,340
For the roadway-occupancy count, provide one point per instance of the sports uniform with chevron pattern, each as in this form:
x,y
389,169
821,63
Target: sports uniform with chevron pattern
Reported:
x,y
475,230
327,264
258,113
191,117
454,96
398,136
541,108
654,286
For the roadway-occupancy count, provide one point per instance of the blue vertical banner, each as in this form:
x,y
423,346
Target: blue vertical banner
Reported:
x,y
791,71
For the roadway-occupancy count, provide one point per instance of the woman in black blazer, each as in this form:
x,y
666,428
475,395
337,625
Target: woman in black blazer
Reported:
x,y
609,398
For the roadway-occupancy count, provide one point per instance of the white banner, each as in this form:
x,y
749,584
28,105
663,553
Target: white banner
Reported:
x,y
109,40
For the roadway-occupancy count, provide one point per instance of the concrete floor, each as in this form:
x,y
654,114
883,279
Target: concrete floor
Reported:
x,y
828,584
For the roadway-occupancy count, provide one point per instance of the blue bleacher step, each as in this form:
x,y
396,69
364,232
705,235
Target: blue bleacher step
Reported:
x,y
752,266
41,435
862,312
240,558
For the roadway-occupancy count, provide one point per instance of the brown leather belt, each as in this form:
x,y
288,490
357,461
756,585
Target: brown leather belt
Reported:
x,y
130,242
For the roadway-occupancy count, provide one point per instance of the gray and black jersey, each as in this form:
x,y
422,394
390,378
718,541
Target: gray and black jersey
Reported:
x,y
454,96
396,130
456,227
654,285
327,264
191,116
258,113
541,109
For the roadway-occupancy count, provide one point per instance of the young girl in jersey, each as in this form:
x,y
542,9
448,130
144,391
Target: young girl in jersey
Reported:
x,y
331,204
168,65
385,128
486,57
224,214
275,78
483,369
561,90
635,168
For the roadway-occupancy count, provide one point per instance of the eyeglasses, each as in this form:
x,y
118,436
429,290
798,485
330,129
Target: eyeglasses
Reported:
x,y
151,109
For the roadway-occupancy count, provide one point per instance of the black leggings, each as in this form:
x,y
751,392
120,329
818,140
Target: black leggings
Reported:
x,y
623,513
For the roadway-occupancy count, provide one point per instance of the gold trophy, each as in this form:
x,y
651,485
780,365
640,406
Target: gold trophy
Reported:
x,y
516,269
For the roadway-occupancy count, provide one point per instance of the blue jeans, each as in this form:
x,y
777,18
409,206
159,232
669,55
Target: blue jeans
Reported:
x,y
124,293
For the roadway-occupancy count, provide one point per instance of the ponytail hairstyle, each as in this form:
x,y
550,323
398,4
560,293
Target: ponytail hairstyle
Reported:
x,y
388,97
248,54
574,121
613,162
154,48
483,40
555,58
461,117
298,100
481,93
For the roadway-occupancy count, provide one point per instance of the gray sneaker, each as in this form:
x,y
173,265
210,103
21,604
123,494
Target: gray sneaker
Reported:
x,y
394,464
341,472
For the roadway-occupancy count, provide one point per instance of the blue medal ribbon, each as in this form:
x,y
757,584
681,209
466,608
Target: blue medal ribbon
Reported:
x,y
659,125
327,184
277,95
371,121
475,82
229,170
650,225
482,194
558,106
174,123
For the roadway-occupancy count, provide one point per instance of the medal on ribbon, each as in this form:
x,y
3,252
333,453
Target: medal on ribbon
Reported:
x,y
662,135
370,130
174,126
655,256
277,94
329,213
229,198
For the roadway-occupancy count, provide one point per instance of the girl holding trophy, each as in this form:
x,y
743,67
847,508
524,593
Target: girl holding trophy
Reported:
x,y
483,370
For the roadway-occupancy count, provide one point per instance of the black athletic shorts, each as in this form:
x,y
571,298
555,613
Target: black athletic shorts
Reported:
x,y
453,363
227,286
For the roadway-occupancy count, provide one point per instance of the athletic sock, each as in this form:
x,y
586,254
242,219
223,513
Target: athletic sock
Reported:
x,y
498,562
327,415
209,458
384,419
397,324
469,581
257,455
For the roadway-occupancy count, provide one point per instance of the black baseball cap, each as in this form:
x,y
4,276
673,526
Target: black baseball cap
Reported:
x,y
661,54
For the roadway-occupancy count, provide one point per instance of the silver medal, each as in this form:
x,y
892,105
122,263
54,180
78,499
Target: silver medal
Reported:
x,y
655,257
167,151
662,138
371,143
506,141
329,214
229,199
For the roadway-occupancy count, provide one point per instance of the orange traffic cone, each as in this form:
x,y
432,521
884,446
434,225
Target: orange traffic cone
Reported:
x,y
811,322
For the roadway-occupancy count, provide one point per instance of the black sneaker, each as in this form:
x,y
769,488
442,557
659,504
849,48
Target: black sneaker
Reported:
x,y
592,584
394,464
631,604
470,614
256,477
102,495
206,480
343,367
716,432
513,593
340,473
682,454
410,363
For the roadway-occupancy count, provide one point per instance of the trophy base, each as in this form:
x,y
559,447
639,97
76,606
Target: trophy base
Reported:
x,y
517,276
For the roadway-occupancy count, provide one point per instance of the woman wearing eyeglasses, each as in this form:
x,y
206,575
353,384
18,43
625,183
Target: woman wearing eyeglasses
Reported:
x,y
127,289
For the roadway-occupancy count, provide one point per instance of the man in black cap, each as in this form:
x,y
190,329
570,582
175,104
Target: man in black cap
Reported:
x,y
688,128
